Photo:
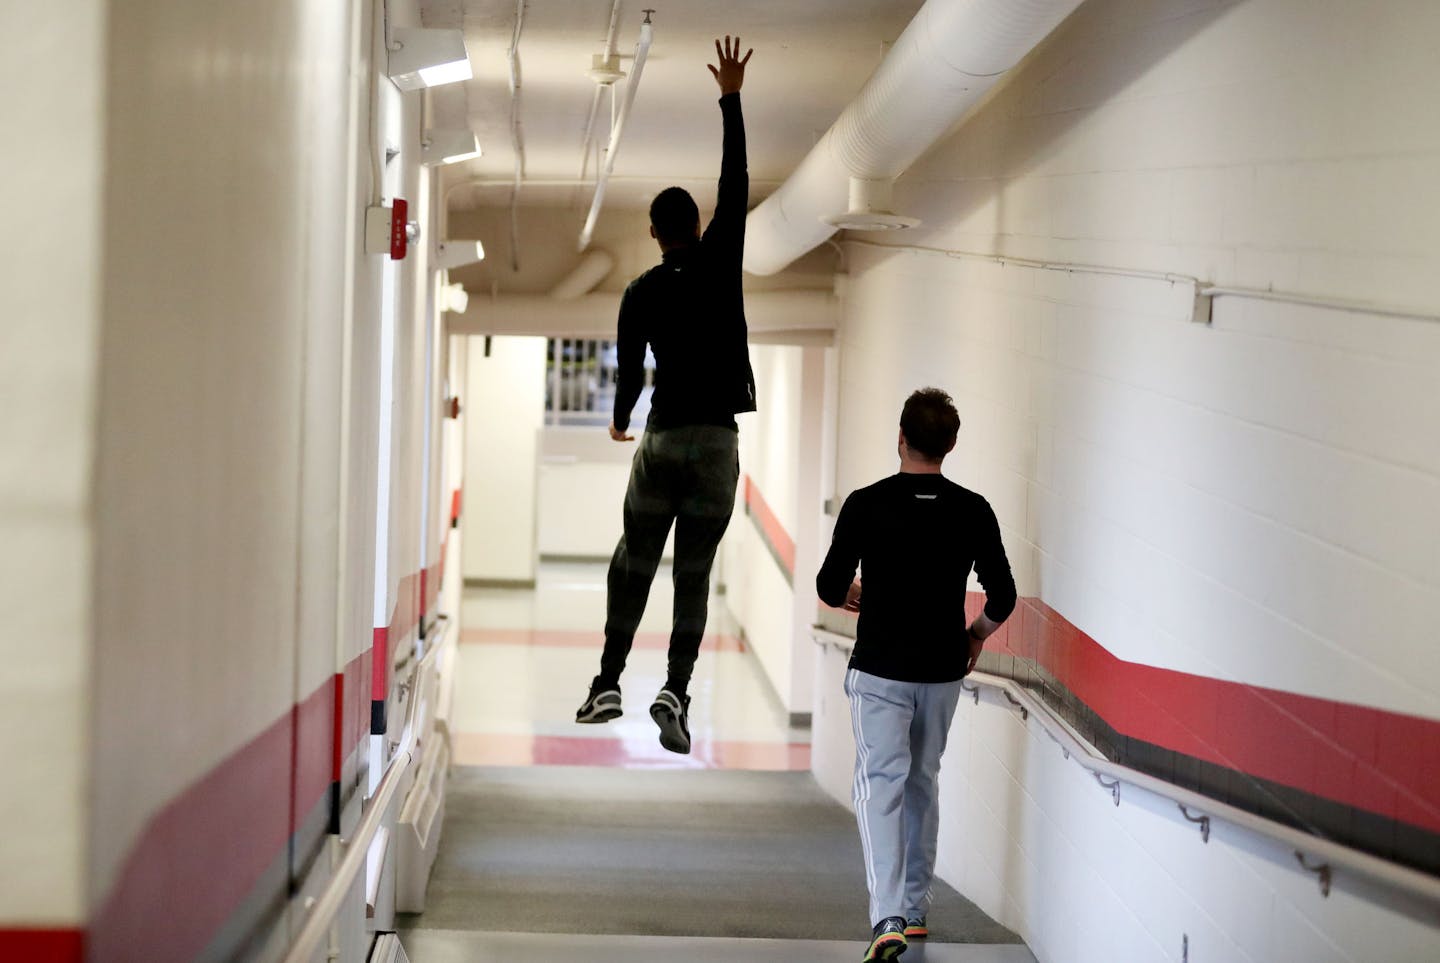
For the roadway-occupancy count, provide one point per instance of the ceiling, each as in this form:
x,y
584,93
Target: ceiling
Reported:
x,y
811,58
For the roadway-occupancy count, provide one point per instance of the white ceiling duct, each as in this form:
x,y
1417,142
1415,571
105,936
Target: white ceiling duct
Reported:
x,y
594,265
772,316
950,54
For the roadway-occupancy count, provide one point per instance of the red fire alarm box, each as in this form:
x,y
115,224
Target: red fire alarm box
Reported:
x,y
399,236
388,230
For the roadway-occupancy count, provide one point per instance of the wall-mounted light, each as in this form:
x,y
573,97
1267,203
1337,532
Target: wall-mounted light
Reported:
x,y
454,298
453,254
427,58
448,146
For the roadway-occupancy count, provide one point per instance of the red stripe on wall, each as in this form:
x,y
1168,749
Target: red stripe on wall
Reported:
x,y
316,746
404,619
43,946
1385,762
201,855
337,740
357,710
774,533
380,663
239,818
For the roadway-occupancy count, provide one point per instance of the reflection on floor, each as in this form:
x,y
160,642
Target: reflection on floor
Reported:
x,y
527,657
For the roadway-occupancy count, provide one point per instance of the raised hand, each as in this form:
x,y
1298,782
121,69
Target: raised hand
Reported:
x,y
730,75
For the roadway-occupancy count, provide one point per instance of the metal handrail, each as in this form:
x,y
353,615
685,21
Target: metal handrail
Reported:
x,y
323,909
1328,856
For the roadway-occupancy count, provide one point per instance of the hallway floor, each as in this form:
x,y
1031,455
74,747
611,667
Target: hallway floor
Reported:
x,y
435,946
564,842
527,658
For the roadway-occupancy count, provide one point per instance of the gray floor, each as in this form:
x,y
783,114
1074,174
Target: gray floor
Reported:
x,y
456,946
721,854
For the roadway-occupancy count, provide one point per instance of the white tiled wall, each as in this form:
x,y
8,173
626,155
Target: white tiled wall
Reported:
x,y
1253,500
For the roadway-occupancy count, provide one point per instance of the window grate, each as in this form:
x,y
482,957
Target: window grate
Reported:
x,y
580,383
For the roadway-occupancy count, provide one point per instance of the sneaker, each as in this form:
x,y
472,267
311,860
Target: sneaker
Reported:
x,y
601,706
915,928
670,713
888,940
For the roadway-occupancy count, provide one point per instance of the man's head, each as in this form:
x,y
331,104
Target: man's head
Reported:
x,y
929,424
674,218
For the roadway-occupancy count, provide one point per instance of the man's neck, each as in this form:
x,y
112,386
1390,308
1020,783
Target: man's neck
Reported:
x,y
666,249
915,466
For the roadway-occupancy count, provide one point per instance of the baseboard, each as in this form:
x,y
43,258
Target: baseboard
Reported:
x,y
503,583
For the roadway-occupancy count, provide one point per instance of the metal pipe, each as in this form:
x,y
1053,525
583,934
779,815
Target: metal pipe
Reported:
x,y
642,50
1202,289
611,35
325,907
1330,304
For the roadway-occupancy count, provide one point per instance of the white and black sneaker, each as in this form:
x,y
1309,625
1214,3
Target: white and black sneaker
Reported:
x,y
670,713
601,706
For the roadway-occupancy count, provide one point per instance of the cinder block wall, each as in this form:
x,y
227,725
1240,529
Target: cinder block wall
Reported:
x,y
1225,535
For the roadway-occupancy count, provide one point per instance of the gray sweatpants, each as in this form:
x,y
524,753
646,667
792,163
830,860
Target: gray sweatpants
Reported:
x,y
900,732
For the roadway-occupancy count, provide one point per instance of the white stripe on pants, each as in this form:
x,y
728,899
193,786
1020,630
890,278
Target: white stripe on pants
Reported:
x,y
900,733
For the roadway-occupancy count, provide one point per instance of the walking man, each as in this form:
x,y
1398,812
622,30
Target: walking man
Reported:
x,y
916,535
691,312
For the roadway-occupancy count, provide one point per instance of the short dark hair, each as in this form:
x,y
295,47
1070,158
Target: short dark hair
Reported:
x,y
674,216
930,423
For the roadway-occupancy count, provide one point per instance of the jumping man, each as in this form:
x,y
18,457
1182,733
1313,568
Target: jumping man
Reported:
x,y
690,310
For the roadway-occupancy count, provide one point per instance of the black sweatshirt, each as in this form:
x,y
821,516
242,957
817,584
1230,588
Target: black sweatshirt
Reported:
x,y
916,538
691,311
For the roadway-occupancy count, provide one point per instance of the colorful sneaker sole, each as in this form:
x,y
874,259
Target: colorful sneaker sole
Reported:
x,y
916,933
886,947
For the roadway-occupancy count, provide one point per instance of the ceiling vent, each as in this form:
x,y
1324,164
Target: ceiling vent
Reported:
x,y
870,208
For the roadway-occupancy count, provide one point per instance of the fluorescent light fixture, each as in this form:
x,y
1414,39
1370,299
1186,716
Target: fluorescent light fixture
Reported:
x,y
453,254
448,146
428,58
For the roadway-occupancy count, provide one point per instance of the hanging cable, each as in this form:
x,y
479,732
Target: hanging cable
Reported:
x,y
517,132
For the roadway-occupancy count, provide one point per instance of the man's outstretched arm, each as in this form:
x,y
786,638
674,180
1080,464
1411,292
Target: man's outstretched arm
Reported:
x,y
734,192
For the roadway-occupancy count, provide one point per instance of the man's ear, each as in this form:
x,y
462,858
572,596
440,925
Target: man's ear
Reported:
x,y
652,232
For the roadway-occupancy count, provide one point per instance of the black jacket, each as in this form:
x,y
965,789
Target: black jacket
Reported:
x,y
691,311
916,536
